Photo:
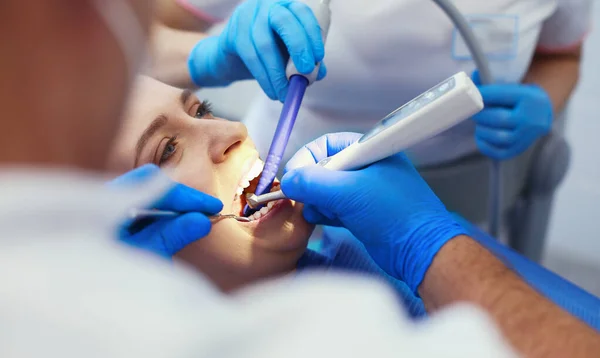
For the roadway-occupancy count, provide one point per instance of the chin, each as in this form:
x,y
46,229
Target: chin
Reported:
x,y
236,253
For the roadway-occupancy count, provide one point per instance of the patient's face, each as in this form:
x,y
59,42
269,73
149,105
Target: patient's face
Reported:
x,y
174,130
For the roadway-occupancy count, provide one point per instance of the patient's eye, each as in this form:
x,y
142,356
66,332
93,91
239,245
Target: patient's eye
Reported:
x,y
168,151
204,109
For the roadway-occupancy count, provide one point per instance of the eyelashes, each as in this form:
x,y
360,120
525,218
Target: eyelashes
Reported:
x,y
204,109
168,151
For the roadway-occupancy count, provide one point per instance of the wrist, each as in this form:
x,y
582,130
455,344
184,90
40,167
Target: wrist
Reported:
x,y
417,252
207,64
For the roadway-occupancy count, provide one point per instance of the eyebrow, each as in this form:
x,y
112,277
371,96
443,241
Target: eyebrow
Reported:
x,y
185,95
156,124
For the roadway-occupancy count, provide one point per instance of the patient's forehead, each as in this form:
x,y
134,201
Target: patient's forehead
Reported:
x,y
147,90
149,99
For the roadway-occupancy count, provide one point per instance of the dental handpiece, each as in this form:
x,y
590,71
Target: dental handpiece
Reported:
x,y
291,106
426,116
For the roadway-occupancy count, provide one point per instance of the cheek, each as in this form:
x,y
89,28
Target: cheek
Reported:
x,y
197,175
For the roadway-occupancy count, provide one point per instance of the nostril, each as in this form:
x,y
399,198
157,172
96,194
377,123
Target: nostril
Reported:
x,y
232,147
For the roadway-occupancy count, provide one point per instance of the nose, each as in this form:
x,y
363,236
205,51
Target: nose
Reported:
x,y
227,137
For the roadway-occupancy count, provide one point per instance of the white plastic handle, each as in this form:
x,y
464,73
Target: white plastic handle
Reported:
x,y
322,12
435,111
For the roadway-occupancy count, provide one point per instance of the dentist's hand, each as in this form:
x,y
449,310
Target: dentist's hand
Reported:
x,y
514,117
166,237
387,206
251,47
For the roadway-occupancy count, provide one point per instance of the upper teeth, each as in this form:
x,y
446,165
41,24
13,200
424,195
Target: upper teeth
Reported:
x,y
255,171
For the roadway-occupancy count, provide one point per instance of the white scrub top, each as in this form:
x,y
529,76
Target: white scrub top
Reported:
x,y
382,53
68,289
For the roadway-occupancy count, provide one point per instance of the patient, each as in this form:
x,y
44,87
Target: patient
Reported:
x,y
174,130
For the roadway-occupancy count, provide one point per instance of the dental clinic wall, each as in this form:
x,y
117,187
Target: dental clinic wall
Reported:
x,y
575,227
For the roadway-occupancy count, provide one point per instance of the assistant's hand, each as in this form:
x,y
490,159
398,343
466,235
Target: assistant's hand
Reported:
x,y
514,117
166,237
251,46
387,206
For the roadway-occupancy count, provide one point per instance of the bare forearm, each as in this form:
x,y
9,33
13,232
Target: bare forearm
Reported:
x,y
170,51
463,271
558,74
171,14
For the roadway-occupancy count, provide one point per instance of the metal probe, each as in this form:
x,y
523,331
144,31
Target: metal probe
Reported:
x,y
137,214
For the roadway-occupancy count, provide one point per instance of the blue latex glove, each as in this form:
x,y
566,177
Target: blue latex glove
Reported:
x,y
166,237
251,44
387,206
514,117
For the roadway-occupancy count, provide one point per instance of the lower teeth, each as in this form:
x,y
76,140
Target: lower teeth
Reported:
x,y
262,212
265,209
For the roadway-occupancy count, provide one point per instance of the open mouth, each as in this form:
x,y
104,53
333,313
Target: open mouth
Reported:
x,y
248,185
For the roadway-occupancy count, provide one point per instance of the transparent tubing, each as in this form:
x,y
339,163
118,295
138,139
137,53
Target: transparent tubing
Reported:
x,y
495,184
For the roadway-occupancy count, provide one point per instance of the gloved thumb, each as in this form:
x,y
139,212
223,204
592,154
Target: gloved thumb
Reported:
x,y
182,231
317,186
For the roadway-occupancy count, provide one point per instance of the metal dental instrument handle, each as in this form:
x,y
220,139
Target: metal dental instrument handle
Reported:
x,y
254,200
426,116
485,74
137,214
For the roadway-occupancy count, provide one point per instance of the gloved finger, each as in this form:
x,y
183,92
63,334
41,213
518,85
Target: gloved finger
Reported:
x,y
249,56
182,231
137,176
492,151
313,216
336,142
311,153
500,138
147,237
311,26
265,44
321,148
313,185
322,71
495,117
288,28
182,198
503,95
301,158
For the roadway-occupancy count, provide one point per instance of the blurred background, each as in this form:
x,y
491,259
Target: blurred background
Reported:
x,y
573,242
573,247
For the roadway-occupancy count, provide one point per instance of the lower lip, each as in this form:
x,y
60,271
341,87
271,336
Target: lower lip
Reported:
x,y
279,204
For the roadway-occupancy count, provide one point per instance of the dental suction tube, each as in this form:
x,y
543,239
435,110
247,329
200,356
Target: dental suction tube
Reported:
x,y
291,106
485,74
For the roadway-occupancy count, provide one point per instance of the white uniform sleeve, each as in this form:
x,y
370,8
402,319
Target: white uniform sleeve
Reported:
x,y
342,316
567,27
213,11
80,298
